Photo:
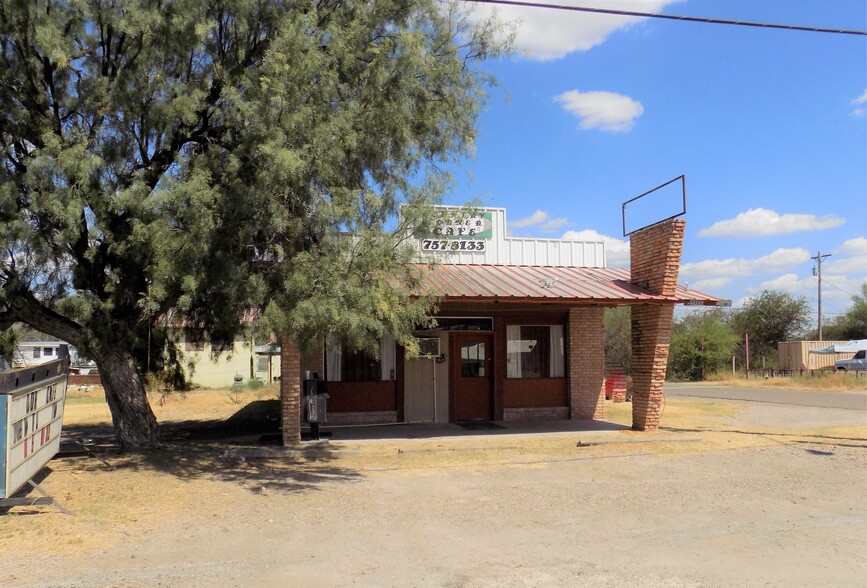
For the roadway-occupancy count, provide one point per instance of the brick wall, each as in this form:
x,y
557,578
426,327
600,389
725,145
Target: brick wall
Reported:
x,y
586,362
655,262
290,391
361,418
536,413
651,332
654,256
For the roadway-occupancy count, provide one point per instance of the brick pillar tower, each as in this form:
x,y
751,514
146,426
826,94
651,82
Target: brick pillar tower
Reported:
x,y
586,362
655,262
290,391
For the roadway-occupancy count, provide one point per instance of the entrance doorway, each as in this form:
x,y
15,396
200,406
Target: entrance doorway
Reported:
x,y
471,371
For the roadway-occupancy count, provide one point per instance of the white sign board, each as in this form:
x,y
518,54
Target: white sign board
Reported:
x,y
31,414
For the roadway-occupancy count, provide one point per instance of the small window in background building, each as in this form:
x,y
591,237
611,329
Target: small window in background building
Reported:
x,y
37,353
194,340
262,363
47,351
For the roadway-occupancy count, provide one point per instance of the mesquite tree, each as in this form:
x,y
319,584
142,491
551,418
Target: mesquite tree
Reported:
x,y
202,156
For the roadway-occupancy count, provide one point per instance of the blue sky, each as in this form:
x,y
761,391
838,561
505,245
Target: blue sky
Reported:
x,y
768,127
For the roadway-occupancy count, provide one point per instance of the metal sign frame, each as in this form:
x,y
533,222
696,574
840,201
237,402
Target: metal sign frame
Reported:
x,y
681,179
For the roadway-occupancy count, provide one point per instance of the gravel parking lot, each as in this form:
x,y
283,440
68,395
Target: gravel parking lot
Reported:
x,y
748,504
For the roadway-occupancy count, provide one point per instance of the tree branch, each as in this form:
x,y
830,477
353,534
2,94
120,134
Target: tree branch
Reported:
x,y
23,307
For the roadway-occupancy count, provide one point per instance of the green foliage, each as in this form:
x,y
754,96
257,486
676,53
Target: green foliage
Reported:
x,y
8,343
204,156
618,337
852,324
701,343
769,318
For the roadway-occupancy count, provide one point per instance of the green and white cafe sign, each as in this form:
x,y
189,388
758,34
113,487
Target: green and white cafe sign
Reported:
x,y
462,234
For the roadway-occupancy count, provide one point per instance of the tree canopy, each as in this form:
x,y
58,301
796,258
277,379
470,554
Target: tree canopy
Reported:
x,y
701,343
204,156
853,323
769,318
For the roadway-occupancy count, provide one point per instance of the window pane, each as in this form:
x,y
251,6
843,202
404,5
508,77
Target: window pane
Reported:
x,y
473,360
535,361
535,351
358,366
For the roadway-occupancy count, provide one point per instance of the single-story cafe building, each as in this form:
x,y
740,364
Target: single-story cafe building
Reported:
x,y
519,333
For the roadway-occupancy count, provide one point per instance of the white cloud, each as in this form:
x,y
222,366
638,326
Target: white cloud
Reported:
x,y
835,288
606,111
859,102
534,219
546,34
710,284
771,263
761,222
857,264
540,219
792,283
553,224
616,250
856,246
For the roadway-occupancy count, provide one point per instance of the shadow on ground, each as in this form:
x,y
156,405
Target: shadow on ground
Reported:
x,y
245,448
210,449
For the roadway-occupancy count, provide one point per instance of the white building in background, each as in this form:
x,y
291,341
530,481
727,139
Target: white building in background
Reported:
x,y
31,353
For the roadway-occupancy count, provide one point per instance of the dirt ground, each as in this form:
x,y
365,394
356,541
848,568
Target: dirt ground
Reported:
x,y
726,494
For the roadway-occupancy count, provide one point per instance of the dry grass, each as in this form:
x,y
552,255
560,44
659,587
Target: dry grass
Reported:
x,y
192,480
821,381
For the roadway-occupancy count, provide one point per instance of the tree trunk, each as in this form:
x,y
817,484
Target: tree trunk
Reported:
x,y
134,421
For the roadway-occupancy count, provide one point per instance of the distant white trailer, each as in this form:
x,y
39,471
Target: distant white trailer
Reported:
x,y
31,414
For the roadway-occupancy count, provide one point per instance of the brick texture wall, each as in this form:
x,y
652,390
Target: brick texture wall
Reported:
x,y
654,256
536,413
290,391
651,332
655,262
361,418
586,362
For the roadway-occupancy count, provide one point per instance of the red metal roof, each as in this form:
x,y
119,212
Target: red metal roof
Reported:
x,y
548,284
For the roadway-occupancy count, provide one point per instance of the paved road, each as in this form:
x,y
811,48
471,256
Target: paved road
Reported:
x,y
844,400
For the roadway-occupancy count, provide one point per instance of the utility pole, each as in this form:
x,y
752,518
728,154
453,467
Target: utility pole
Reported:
x,y
817,271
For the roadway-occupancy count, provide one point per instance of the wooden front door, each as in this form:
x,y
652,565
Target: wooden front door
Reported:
x,y
471,370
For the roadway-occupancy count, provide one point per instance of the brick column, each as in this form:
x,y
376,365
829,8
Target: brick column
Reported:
x,y
651,332
654,265
654,256
290,391
586,367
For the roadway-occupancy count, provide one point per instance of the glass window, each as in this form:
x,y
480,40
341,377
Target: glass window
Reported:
x,y
263,362
37,352
47,351
194,340
473,359
359,366
346,365
535,351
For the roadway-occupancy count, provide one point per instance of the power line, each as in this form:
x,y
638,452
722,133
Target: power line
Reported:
x,y
841,290
740,23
